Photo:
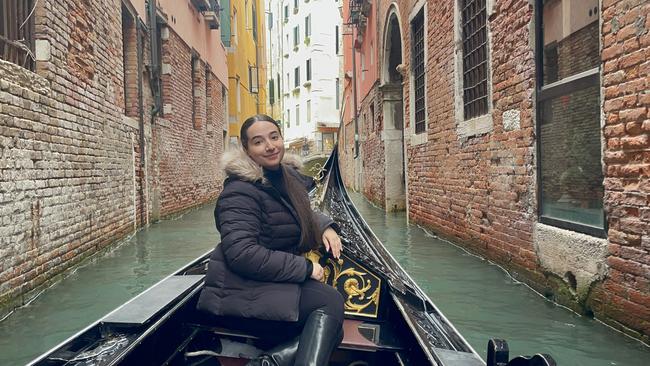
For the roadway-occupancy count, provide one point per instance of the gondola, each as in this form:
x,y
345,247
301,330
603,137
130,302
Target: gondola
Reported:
x,y
389,319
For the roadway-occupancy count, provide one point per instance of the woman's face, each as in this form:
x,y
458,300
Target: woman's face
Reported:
x,y
265,145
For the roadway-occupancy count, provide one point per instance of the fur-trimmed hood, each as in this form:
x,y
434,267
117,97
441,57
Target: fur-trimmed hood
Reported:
x,y
236,163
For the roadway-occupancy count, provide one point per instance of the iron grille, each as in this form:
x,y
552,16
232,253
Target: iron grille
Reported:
x,y
355,12
474,27
418,72
17,32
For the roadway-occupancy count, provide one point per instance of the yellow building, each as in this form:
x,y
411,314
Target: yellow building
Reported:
x,y
243,35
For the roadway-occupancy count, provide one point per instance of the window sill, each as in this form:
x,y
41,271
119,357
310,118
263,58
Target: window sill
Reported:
x,y
419,139
307,84
475,126
572,226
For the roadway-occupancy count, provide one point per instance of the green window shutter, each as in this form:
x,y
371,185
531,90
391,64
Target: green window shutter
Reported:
x,y
225,22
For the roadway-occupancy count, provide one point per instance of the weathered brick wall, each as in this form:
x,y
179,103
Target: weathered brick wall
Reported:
x,y
626,99
67,182
480,189
186,153
73,179
372,147
346,153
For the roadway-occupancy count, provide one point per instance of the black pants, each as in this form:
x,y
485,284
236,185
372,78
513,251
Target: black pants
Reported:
x,y
314,295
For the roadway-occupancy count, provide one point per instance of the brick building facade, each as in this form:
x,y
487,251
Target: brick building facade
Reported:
x,y
85,156
526,143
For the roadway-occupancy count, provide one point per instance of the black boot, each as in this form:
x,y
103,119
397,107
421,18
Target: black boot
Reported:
x,y
281,355
320,336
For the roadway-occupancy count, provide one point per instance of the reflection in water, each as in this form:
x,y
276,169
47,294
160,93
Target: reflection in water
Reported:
x,y
484,302
105,283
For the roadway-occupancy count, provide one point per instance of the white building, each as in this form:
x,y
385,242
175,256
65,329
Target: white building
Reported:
x,y
304,57
274,58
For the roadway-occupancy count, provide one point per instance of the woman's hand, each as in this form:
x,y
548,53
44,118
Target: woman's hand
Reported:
x,y
332,242
317,272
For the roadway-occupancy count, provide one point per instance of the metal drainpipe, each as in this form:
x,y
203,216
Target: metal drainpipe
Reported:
x,y
281,65
354,96
154,77
143,155
154,72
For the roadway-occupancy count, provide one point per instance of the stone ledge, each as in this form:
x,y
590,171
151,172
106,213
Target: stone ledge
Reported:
x,y
577,258
475,126
133,123
419,139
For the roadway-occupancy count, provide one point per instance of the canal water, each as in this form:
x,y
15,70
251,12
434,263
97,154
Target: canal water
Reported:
x,y
105,283
479,298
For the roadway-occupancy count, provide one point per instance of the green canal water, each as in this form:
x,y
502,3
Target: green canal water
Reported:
x,y
479,298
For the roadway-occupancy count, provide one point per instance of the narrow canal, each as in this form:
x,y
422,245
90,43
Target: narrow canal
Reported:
x,y
479,298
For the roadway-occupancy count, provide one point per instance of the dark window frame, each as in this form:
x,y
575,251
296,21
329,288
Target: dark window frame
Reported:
x,y
271,91
254,20
18,44
296,77
574,83
208,88
474,44
194,59
308,70
418,72
296,35
336,39
372,117
338,95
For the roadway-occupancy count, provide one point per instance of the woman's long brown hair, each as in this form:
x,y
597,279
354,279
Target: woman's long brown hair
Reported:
x,y
298,197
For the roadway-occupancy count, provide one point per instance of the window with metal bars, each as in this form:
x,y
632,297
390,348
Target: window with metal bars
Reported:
x,y
17,32
417,50
475,62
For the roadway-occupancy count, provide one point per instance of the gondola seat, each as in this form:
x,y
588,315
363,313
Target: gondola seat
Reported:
x,y
358,335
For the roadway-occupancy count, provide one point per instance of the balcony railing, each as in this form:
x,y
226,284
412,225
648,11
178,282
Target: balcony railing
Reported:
x,y
359,12
210,10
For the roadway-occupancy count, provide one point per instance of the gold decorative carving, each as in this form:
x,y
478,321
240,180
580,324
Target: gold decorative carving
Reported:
x,y
358,286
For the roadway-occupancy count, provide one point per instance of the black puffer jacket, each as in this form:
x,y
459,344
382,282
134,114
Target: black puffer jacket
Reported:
x,y
256,270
